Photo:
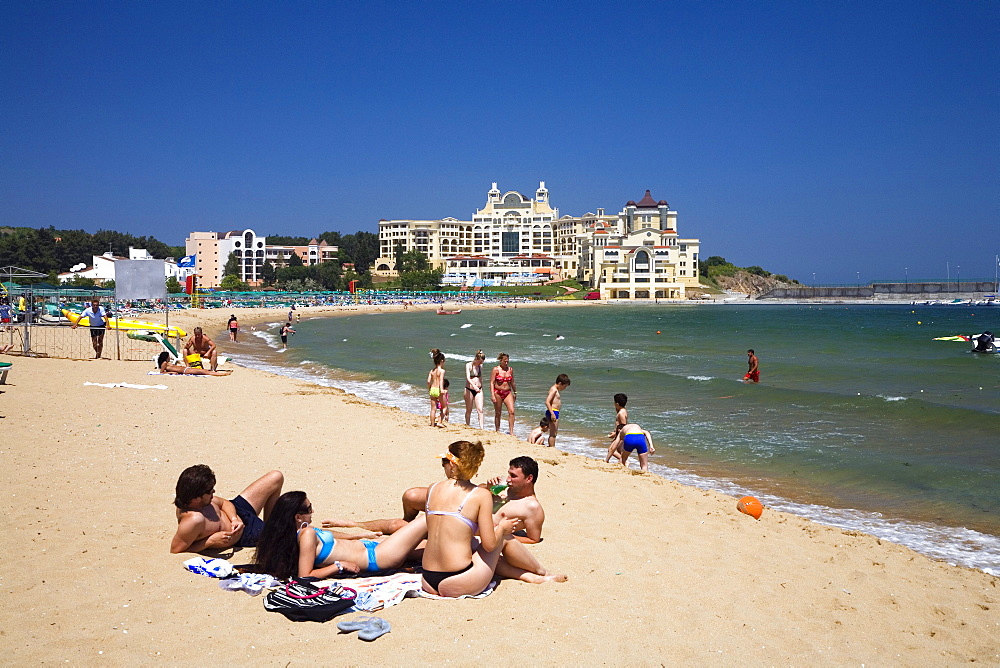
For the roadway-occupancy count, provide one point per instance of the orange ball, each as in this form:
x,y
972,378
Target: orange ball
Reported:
x,y
750,506
657,331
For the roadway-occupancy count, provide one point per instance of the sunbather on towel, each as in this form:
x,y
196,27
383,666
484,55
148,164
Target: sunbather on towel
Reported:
x,y
166,367
209,522
290,547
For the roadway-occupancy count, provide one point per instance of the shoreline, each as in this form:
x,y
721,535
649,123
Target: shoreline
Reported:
x,y
953,544
705,583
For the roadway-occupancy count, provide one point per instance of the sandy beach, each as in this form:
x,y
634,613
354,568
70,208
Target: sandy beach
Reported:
x,y
658,572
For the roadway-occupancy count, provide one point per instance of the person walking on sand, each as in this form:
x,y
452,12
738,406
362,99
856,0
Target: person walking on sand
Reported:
x,y
286,329
553,402
503,391
753,370
98,316
233,327
474,388
435,384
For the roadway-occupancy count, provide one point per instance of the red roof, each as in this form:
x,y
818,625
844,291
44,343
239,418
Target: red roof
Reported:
x,y
647,202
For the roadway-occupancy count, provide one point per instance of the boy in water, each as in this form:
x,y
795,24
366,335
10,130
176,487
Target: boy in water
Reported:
x,y
553,402
539,433
621,414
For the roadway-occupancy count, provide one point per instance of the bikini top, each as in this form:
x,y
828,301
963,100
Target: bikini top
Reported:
x,y
475,371
455,513
326,542
501,379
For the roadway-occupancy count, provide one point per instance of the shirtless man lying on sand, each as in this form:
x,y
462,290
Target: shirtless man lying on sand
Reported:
x,y
520,503
209,522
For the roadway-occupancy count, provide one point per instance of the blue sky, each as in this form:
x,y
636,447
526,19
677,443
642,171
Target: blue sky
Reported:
x,y
830,138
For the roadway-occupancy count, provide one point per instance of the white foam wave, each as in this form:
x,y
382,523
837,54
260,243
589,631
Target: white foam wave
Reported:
x,y
460,358
701,377
887,398
269,339
466,325
505,334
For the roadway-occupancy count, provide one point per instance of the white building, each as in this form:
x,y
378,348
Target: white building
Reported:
x,y
635,254
212,249
103,267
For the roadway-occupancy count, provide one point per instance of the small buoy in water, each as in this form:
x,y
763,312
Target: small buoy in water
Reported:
x,y
919,323
657,331
748,505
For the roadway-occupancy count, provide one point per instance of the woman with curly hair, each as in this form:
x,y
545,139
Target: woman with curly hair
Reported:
x,y
290,547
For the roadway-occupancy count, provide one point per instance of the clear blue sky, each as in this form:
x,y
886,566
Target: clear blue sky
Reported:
x,y
826,137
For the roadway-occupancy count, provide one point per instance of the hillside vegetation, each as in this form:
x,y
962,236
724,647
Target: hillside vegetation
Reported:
x,y
719,273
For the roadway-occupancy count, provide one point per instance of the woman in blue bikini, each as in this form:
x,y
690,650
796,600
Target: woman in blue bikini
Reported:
x,y
290,547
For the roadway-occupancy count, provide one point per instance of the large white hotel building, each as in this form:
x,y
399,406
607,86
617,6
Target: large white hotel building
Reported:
x,y
634,254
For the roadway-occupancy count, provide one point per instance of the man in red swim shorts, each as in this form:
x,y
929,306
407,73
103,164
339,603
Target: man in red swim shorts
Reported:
x,y
753,373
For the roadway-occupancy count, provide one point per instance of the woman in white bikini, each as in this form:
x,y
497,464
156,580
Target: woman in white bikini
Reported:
x,y
455,562
474,388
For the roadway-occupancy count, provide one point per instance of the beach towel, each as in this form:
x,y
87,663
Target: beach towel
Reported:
x,y
251,583
213,568
131,386
384,591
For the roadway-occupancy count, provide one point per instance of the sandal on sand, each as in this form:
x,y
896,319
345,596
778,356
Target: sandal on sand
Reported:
x,y
376,628
355,624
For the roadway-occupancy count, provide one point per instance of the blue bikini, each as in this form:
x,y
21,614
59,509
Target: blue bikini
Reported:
x,y
327,541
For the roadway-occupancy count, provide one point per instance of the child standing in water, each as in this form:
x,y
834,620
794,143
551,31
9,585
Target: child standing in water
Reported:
x,y
553,402
443,403
435,383
621,414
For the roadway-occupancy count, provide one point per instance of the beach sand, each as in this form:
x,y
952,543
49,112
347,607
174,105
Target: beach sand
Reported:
x,y
659,572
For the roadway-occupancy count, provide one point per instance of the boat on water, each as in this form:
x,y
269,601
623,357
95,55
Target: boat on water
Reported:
x,y
442,311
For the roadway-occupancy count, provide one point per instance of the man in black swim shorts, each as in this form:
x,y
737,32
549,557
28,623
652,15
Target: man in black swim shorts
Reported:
x,y
209,522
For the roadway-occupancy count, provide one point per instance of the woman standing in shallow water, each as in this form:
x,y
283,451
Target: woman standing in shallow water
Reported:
x,y
474,388
503,391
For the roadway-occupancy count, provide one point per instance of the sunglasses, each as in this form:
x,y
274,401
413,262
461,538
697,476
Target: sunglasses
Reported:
x,y
308,510
449,457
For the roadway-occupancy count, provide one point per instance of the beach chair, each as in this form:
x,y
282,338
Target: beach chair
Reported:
x,y
4,368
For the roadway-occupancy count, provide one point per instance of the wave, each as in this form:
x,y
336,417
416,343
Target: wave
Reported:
x,y
466,325
506,334
701,377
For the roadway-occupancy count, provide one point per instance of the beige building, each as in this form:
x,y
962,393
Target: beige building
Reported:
x,y
635,254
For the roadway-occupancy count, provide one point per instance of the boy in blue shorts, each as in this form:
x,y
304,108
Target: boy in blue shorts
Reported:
x,y
632,438
553,402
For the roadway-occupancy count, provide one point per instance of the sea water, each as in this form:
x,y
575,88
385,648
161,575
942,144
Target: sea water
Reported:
x,y
861,420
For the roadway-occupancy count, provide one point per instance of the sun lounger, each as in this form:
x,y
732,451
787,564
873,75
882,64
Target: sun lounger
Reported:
x,y
4,368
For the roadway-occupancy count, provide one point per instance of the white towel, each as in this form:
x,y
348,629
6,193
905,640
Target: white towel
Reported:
x,y
132,386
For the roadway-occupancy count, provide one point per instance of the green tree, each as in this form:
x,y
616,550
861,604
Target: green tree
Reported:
x,y
413,260
420,279
267,273
233,282
173,285
232,267
294,260
328,275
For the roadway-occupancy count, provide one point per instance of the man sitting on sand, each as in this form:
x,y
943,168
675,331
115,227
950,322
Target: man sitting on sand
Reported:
x,y
209,522
204,346
520,504
163,362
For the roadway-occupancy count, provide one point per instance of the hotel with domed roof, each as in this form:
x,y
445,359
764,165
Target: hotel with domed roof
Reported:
x,y
516,240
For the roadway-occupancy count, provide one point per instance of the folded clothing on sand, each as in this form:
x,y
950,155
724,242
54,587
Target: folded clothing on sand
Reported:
x,y
213,568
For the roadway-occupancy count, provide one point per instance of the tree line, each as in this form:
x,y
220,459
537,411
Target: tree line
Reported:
x,y
51,251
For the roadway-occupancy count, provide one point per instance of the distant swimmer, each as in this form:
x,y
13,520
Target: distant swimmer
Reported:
x,y
753,371
559,337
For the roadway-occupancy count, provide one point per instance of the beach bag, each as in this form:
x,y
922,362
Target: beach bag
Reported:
x,y
305,602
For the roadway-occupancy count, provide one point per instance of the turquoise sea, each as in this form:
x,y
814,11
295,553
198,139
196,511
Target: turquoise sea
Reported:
x,y
860,420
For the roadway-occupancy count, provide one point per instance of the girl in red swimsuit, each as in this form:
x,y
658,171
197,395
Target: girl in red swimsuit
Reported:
x,y
503,391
